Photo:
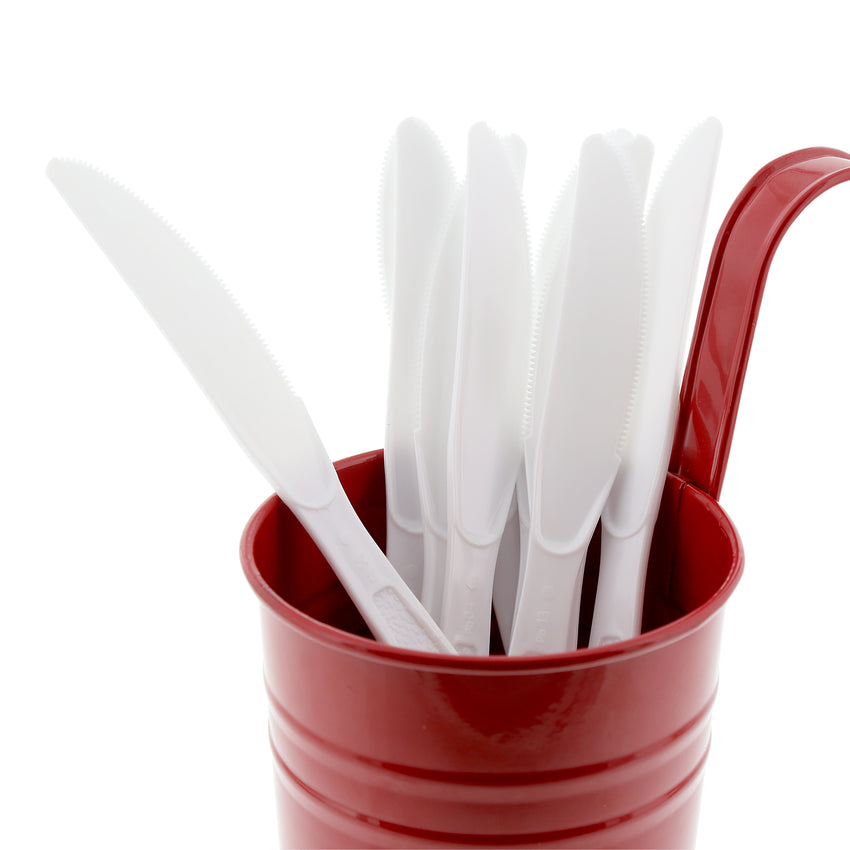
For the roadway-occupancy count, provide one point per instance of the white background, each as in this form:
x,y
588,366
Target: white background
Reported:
x,y
132,711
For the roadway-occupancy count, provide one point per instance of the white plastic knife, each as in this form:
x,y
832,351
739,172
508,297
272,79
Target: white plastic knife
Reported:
x,y
418,187
436,382
586,399
438,360
638,151
675,227
546,300
491,369
549,281
230,362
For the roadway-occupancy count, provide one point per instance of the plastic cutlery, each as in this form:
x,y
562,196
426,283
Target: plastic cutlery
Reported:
x,y
435,402
418,188
549,282
232,365
490,373
546,314
638,152
675,227
517,153
585,402
438,358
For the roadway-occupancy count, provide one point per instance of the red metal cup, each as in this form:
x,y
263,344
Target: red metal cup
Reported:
x,y
382,747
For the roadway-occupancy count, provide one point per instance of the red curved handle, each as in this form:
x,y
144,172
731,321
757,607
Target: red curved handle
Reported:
x,y
743,251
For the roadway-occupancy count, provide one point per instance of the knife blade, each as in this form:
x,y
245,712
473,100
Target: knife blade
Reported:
x,y
585,400
232,365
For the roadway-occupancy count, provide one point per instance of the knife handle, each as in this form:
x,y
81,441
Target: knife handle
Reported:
x,y
547,612
434,575
389,607
404,551
468,594
618,608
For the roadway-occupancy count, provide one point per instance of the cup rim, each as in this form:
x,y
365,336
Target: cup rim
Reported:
x,y
368,648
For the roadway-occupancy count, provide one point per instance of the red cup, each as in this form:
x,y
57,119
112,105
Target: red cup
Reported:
x,y
376,746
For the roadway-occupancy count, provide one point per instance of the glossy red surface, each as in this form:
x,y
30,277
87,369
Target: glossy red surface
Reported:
x,y
737,272
382,747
